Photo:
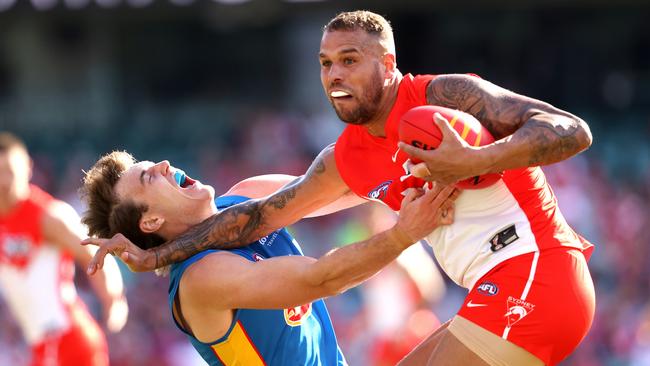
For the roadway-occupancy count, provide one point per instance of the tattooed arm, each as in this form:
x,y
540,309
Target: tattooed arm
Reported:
x,y
237,225
243,223
263,185
529,132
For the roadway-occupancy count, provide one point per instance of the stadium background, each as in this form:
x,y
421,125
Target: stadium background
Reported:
x,y
229,89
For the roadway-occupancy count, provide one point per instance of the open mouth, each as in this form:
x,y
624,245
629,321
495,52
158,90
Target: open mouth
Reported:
x,y
340,95
182,179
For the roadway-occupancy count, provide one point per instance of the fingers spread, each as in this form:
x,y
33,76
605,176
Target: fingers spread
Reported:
x,y
97,262
410,194
93,241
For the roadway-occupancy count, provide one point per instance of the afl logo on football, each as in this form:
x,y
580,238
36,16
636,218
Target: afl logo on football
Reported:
x,y
380,191
294,316
487,288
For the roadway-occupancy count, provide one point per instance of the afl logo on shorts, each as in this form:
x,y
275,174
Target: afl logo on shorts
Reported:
x,y
380,191
257,257
487,288
294,316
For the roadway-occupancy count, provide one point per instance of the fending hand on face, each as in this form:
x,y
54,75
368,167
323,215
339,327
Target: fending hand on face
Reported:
x,y
138,260
453,160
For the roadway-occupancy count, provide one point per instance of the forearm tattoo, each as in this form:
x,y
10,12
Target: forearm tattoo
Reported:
x,y
233,227
550,141
552,135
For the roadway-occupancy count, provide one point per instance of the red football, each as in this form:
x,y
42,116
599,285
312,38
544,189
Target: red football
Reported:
x,y
417,128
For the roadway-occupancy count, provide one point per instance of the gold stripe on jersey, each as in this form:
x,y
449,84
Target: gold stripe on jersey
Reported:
x,y
238,350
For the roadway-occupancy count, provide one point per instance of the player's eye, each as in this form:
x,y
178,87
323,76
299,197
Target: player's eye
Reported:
x,y
326,63
348,61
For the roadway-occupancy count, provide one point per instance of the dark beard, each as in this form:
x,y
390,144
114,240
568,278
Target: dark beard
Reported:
x,y
368,106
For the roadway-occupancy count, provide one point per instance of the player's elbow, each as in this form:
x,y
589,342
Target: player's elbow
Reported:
x,y
584,136
332,288
326,284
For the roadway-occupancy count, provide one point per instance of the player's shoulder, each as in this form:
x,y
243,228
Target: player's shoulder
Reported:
x,y
213,269
452,79
59,210
210,261
327,155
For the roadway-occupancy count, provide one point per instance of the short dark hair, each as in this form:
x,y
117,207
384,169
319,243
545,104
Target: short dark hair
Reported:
x,y
360,19
107,215
367,21
9,141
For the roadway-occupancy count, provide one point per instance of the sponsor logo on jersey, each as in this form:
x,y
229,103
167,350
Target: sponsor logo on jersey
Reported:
x,y
503,238
268,240
15,249
294,316
379,192
487,288
517,309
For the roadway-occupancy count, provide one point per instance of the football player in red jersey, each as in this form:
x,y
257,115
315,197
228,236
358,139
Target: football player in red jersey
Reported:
x,y
39,242
509,244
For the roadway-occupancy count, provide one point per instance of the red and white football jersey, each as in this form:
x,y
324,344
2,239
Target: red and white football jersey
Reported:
x,y
36,279
517,215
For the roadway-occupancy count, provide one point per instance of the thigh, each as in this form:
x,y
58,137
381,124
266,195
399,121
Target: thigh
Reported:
x,y
78,349
492,349
85,344
452,352
46,352
420,354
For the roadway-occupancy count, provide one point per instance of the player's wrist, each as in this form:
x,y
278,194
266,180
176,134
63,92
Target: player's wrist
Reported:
x,y
150,261
486,158
400,237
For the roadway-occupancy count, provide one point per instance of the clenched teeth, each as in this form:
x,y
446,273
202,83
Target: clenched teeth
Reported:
x,y
338,94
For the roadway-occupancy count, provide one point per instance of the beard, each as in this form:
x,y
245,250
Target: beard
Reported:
x,y
367,104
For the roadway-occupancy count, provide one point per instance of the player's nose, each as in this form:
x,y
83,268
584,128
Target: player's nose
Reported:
x,y
335,74
162,167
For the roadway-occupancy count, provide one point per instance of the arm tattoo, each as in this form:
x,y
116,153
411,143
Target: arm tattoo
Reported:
x,y
466,94
549,140
233,227
281,200
553,135
320,167
457,93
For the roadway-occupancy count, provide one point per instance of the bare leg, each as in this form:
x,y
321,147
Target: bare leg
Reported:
x,y
450,351
420,354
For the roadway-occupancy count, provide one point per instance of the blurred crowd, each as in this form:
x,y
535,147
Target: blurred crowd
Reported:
x,y
380,321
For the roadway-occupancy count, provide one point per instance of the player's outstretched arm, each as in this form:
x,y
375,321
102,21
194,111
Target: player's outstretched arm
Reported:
x,y
529,132
62,227
291,281
263,185
239,224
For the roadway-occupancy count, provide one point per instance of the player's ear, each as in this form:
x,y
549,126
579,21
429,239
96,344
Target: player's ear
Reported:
x,y
151,223
390,64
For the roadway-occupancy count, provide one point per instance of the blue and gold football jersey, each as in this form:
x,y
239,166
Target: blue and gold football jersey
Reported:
x,y
299,336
